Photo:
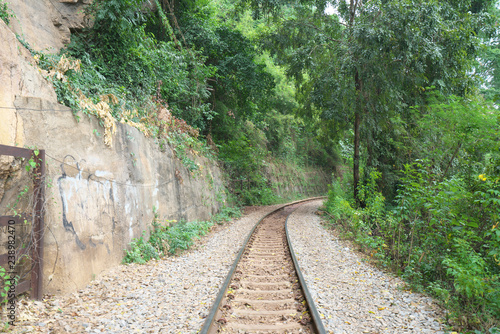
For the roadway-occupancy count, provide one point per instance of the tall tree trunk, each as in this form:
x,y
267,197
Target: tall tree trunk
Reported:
x,y
357,114
357,121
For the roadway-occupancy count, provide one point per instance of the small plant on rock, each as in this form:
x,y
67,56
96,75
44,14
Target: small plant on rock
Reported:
x,y
5,12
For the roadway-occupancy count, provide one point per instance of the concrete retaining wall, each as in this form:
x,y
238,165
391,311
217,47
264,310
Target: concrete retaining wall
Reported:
x,y
100,198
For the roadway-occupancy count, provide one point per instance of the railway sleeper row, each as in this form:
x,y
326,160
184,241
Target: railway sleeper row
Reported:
x,y
263,292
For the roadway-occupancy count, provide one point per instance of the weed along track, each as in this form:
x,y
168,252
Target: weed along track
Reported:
x,y
264,292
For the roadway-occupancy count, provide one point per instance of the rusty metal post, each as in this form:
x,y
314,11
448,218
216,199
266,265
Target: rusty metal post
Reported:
x,y
38,226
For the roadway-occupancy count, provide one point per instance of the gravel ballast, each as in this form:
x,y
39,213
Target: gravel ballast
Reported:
x,y
351,295
172,295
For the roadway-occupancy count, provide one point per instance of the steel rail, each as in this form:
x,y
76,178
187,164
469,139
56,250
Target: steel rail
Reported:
x,y
318,324
209,321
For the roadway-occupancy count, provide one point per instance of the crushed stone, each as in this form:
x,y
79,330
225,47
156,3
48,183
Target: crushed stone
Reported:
x,y
353,296
171,295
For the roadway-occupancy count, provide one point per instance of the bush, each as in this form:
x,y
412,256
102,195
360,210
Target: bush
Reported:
x,y
141,251
442,236
166,239
226,214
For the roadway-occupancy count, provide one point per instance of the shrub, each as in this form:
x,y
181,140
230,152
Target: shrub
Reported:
x,y
442,236
165,239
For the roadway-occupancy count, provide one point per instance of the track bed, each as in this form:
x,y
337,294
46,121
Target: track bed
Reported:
x,y
264,294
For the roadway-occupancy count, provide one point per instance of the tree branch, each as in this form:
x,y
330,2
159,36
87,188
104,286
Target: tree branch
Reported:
x,y
318,29
451,160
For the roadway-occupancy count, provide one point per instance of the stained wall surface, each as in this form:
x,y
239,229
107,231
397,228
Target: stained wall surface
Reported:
x,y
99,198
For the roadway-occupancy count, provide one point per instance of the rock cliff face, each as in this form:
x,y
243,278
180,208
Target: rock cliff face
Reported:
x,y
19,77
47,24
44,25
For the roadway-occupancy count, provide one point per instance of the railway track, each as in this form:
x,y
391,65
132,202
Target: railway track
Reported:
x,y
264,291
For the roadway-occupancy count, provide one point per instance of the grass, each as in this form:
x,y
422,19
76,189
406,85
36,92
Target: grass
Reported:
x,y
168,239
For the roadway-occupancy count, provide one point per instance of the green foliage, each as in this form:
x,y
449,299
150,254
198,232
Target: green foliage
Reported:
x,y
469,272
337,206
283,139
441,230
490,55
202,69
141,251
439,236
5,12
120,57
253,102
450,229
451,131
372,60
226,214
240,81
31,164
245,162
492,60
181,236
5,283
183,144
167,238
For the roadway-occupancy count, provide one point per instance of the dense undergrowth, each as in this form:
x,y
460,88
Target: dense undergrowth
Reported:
x,y
169,237
441,232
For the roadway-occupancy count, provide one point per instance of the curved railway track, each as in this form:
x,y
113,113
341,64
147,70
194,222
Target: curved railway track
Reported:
x,y
264,291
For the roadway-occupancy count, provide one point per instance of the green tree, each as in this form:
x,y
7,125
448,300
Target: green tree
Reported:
x,y
366,64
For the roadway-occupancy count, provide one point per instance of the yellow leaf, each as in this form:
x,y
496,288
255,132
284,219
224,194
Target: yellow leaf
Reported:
x,y
381,308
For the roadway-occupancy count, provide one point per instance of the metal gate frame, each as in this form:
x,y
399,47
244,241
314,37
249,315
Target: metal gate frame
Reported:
x,y
35,284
